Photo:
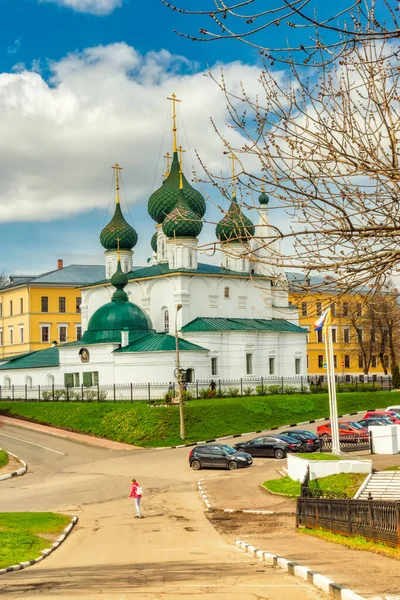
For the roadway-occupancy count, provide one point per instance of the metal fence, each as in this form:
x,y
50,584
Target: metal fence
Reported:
x,y
348,443
375,520
131,392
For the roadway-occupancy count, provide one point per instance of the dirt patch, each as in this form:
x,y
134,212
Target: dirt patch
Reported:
x,y
245,525
12,465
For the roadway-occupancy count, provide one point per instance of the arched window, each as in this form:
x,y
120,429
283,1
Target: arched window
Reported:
x,y
7,382
50,380
28,381
166,320
189,375
226,292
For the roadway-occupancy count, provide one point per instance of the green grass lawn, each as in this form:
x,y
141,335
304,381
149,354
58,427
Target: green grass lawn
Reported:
x,y
357,542
343,482
3,458
319,456
141,425
20,535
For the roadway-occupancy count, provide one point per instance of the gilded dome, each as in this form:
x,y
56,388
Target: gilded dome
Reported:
x,y
163,201
234,226
182,220
118,228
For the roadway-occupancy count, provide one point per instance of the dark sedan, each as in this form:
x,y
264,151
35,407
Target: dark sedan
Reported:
x,y
374,421
218,456
309,441
277,446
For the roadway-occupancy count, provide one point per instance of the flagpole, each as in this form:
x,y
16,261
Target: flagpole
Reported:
x,y
333,401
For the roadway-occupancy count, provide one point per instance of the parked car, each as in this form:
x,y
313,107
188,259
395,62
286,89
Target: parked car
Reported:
x,y
309,441
345,428
393,416
218,456
270,445
395,408
374,421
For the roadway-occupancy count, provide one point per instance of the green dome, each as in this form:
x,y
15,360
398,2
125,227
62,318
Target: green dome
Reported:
x,y
263,198
182,221
163,201
118,228
119,280
153,243
234,226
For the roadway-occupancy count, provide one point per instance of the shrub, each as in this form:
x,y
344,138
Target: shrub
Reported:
x,y
248,391
58,394
222,393
46,396
187,395
291,389
261,390
204,393
168,397
90,395
318,389
232,392
102,395
274,389
396,377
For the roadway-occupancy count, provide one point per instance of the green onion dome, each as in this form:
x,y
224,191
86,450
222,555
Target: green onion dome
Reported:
x,y
263,199
182,221
118,228
153,243
234,226
163,201
119,281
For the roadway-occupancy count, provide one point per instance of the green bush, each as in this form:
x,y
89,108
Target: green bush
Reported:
x,y
261,390
187,395
274,389
233,392
291,389
46,396
318,389
204,393
248,391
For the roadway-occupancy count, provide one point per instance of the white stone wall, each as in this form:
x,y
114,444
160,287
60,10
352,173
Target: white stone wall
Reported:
x,y
297,467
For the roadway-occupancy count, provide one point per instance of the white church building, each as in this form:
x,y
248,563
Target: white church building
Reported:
x,y
233,321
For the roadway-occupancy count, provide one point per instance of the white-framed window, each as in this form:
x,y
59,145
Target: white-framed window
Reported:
x,y
78,331
226,292
214,365
21,334
320,337
50,379
374,362
28,382
304,309
249,363
44,332
166,320
11,335
346,335
334,335
7,382
272,365
62,333
297,366
1,338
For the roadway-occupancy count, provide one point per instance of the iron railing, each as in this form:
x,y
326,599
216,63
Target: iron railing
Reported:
x,y
376,520
348,443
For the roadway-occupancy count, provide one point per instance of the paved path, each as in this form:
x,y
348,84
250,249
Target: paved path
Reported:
x,y
173,553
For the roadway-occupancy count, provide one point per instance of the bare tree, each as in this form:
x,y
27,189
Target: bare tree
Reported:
x,y
319,34
3,279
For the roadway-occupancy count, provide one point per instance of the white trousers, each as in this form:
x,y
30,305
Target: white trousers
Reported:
x,y
137,504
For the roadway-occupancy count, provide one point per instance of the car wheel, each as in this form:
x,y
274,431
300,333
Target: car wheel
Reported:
x,y
279,453
305,448
196,465
232,465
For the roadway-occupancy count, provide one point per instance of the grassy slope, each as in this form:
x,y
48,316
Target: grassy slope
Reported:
x,y
205,419
20,538
3,458
357,542
344,482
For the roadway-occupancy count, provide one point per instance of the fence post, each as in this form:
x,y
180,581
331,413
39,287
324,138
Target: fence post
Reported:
x,y
349,513
82,393
98,392
12,392
26,392
390,384
39,393
52,391
370,442
262,386
67,386
356,384
114,392
197,389
219,386
0,393
149,392
398,522
241,386
283,385
302,385
131,393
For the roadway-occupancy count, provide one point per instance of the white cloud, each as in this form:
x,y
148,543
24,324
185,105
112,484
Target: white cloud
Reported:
x,y
14,47
95,7
105,105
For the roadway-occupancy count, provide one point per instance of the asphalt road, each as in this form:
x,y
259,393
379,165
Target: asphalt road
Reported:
x,y
173,553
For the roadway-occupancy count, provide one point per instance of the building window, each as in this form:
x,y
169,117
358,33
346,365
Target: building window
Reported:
x,y
346,335
1,310
373,361
166,320
307,361
226,292
190,260
272,366
45,304
347,361
345,309
76,380
297,366
319,308
333,309
360,361
335,361
334,335
386,360
360,335
61,304
45,333
28,382
95,378
1,338
304,309
7,382
319,336
21,305
11,332
78,303
320,361
62,333
249,364
214,366
358,310
373,335
11,308
21,334
78,333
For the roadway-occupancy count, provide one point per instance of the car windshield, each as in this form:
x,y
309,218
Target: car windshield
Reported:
x,y
307,434
355,425
286,438
229,449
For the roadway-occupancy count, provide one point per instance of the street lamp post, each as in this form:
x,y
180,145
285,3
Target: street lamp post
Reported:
x,y
179,375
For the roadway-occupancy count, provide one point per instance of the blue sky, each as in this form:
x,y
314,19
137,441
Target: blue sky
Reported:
x,y
81,91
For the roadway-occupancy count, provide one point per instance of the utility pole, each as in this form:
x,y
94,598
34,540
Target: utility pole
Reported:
x,y
179,375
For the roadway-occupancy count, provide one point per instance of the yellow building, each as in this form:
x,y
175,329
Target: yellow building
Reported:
x,y
37,311
356,340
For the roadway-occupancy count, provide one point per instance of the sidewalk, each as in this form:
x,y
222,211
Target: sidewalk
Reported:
x,y
69,435
370,575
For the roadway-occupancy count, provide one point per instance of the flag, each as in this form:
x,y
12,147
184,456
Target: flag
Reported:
x,y
323,321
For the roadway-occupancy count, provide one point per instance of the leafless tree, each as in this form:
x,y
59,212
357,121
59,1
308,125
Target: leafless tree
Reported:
x,y
3,279
317,34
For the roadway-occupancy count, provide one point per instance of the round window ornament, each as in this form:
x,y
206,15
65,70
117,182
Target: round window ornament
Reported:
x,y
84,354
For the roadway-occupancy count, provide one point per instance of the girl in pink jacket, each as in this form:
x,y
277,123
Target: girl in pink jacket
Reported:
x,y
136,492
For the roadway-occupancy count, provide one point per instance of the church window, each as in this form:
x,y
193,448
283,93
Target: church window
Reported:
x,y
45,304
249,364
44,333
320,361
95,378
214,366
297,366
189,376
166,321
50,379
61,304
304,309
226,292
272,365
28,382
7,382
319,308
78,304
347,361
320,338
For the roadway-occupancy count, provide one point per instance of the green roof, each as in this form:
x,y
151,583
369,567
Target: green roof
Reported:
x,y
34,360
182,221
234,226
118,228
160,342
223,324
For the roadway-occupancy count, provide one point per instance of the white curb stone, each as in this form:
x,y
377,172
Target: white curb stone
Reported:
x,y
20,471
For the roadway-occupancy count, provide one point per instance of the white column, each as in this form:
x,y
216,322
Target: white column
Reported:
x,y
112,261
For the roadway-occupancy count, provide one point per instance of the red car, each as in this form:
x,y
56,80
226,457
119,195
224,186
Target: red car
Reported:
x,y
391,414
345,428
